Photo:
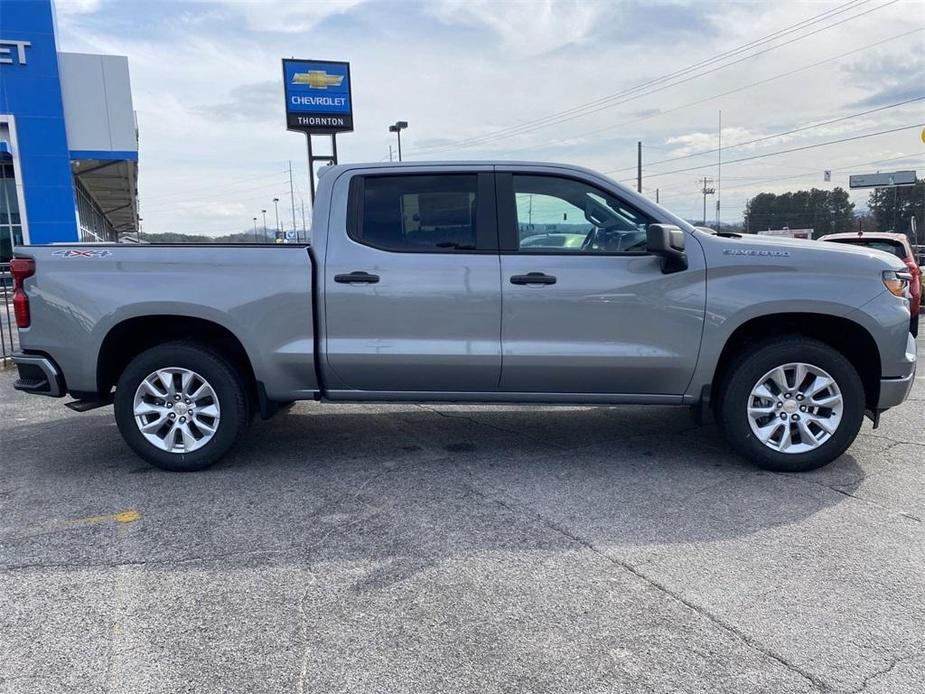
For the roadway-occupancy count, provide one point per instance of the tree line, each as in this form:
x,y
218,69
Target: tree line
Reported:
x,y
831,211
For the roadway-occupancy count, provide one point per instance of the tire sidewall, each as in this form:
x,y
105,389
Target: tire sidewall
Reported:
x,y
755,364
221,377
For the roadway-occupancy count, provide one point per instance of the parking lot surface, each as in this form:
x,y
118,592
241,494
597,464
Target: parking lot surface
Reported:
x,y
401,548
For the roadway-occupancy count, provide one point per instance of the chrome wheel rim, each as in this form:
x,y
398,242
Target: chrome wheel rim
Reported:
x,y
795,408
176,410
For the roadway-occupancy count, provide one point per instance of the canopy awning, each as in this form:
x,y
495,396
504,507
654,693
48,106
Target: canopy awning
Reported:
x,y
113,185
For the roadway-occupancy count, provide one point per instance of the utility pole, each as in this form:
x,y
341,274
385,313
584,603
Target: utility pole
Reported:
x,y
276,205
256,240
292,202
265,238
656,196
706,190
639,167
719,170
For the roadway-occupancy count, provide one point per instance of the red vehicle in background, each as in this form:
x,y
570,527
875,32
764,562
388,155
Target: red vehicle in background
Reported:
x,y
898,245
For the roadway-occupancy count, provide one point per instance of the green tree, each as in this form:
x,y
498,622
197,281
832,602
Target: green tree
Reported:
x,y
823,211
894,208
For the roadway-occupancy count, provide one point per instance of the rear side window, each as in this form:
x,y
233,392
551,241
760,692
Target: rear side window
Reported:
x,y
893,247
422,213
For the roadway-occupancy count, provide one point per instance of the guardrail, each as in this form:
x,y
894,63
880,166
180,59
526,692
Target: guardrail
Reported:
x,y
9,337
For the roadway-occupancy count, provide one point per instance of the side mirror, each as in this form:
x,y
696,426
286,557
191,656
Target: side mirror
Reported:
x,y
667,241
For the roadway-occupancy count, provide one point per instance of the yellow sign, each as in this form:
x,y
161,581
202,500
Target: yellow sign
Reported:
x,y
317,79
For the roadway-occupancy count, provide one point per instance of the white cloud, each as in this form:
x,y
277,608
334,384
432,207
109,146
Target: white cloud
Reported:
x,y
214,209
286,16
209,93
70,7
527,26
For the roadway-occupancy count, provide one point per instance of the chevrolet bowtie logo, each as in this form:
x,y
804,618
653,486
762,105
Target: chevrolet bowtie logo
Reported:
x,y
317,79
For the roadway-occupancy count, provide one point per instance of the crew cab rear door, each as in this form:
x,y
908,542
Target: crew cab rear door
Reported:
x,y
412,285
585,308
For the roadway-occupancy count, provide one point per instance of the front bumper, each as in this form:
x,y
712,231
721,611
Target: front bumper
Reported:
x,y
894,391
38,375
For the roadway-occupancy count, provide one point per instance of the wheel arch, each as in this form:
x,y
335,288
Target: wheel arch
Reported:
x,y
130,337
842,334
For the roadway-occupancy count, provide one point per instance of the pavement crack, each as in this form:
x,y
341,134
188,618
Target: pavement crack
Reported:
x,y
637,571
505,430
886,670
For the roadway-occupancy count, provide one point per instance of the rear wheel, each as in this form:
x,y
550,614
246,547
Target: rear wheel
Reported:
x,y
792,404
181,406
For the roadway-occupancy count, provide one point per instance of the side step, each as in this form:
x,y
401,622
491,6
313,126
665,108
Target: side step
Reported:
x,y
87,405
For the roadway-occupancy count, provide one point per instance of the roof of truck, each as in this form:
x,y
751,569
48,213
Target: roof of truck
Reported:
x,y
455,162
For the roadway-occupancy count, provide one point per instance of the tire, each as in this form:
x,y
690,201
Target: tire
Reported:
x,y
914,325
821,447
224,397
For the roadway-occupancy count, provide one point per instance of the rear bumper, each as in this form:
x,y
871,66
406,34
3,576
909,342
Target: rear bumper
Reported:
x,y
38,375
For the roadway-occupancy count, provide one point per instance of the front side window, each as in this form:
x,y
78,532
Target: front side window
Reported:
x,y
430,213
562,215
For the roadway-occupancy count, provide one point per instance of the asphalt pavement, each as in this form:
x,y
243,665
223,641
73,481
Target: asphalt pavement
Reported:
x,y
402,548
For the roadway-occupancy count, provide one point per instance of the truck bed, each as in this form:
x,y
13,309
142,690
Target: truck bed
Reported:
x,y
87,298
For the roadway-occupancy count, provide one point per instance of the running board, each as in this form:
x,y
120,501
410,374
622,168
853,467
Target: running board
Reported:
x,y
87,405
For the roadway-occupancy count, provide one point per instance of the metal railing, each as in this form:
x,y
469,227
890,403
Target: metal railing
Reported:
x,y
9,337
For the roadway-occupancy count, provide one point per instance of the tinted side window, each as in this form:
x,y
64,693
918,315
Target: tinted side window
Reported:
x,y
562,215
432,213
877,244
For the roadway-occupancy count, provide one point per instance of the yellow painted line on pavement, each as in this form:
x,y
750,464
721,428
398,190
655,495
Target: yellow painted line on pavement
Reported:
x,y
122,521
120,517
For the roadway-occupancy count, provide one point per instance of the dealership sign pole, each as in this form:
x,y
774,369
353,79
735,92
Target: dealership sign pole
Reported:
x,y
318,102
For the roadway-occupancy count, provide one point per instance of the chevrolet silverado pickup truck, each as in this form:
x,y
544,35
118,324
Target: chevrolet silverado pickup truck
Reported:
x,y
491,282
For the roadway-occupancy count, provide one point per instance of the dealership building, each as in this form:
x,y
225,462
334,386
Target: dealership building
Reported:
x,y
68,136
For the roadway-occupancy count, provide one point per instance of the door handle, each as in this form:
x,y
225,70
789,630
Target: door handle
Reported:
x,y
356,277
533,278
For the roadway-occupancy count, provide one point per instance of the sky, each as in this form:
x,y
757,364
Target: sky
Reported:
x,y
573,81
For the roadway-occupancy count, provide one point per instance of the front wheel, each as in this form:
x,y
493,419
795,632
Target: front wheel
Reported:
x,y
792,404
181,406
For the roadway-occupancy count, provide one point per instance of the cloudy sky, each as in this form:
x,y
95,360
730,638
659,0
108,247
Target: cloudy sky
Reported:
x,y
569,81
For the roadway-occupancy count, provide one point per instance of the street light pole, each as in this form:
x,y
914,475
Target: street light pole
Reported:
x,y
276,205
265,239
397,128
255,231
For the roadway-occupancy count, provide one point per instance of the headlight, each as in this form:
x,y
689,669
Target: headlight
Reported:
x,y
897,283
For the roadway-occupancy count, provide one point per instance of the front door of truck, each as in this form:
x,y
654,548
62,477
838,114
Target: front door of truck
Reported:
x,y
585,308
412,286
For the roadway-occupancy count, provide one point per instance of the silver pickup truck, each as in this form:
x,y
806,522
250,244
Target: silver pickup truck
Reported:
x,y
472,282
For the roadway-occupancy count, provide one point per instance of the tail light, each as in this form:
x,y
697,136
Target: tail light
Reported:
x,y
21,268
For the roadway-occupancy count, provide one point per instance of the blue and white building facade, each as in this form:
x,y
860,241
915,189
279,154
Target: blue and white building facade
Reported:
x,y
68,136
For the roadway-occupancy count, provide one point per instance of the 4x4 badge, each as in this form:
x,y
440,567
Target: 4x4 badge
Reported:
x,y
83,253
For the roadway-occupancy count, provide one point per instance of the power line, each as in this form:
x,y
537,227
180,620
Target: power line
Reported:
x,y
841,168
200,197
786,151
212,186
704,100
775,135
627,95
649,83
